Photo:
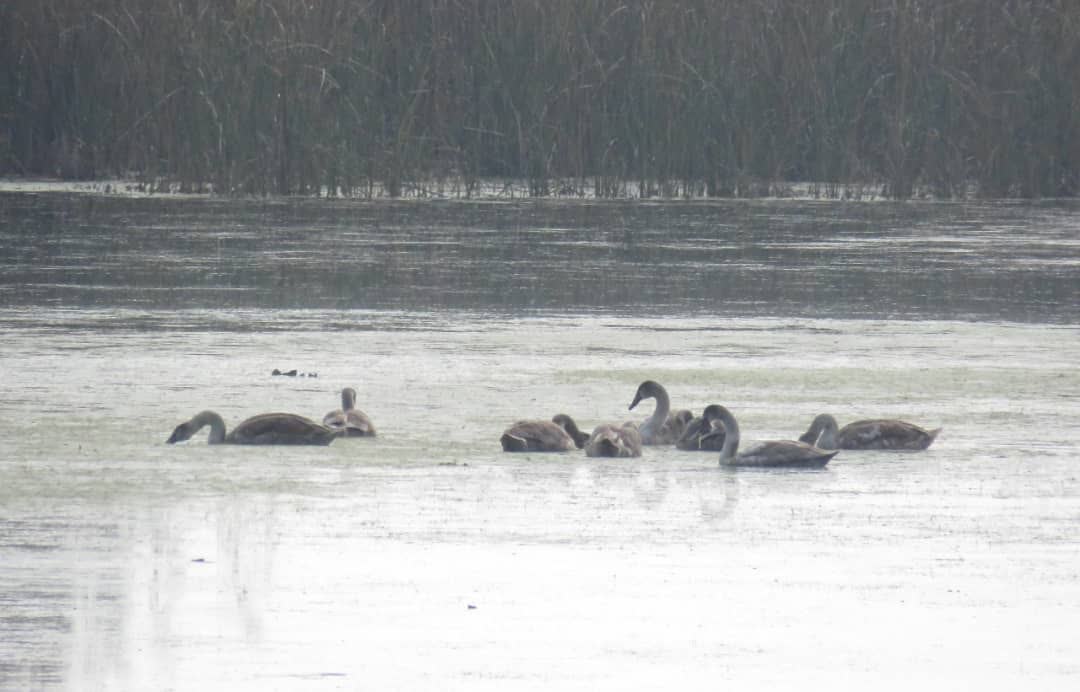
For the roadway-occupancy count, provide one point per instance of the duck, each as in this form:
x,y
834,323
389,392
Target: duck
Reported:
x,y
611,440
884,433
349,421
659,428
560,434
775,453
263,429
704,433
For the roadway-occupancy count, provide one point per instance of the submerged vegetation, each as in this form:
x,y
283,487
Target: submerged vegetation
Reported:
x,y
643,97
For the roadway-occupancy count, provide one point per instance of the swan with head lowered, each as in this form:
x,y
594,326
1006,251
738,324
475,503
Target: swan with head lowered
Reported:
x,y
610,440
660,428
560,434
704,433
263,429
776,453
885,433
348,420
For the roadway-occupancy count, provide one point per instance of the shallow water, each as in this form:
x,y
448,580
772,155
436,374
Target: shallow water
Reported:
x,y
426,558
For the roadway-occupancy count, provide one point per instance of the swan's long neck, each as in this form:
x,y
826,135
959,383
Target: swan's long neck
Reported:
x,y
217,426
826,438
731,437
663,408
567,423
348,399
822,433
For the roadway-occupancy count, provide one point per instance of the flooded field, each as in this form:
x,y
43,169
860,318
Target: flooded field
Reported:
x,y
426,558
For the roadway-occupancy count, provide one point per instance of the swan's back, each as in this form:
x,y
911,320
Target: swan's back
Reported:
x,y
349,421
784,453
536,436
280,429
675,426
614,441
885,434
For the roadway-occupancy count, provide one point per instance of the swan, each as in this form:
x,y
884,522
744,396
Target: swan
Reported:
x,y
560,434
777,453
704,433
869,434
263,429
659,428
609,440
349,421
678,421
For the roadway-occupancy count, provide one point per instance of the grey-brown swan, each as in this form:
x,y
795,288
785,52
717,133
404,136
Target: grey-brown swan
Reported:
x,y
609,440
348,420
560,434
263,429
883,433
704,433
660,428
776,453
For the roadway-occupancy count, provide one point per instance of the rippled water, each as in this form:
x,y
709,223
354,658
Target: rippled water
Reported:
x,y
426,558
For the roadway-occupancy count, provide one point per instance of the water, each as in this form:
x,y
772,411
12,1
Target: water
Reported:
x,y
426,558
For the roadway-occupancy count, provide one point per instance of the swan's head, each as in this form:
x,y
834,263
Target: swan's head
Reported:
x,y
712,412
348,398
182,432
646,390
716,414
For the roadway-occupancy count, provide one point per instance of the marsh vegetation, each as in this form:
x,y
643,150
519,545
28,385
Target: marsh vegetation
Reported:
x,y
569,97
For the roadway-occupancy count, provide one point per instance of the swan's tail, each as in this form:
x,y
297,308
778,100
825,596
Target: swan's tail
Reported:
x,y
513,443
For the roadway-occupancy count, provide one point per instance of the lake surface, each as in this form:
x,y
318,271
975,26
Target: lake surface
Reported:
x,y
426,558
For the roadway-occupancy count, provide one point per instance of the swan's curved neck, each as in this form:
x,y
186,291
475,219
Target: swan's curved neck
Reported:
x,y
567,423
663,408
217,426
826,439
731,438
824,431
348,399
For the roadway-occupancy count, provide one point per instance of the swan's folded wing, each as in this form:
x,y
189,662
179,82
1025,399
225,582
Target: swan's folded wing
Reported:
x,y
784,453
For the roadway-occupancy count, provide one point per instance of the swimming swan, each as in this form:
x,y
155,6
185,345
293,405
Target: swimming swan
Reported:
x,y
263,429
349,421
869,434
560,434
610,440
704,433
778,453
659,428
